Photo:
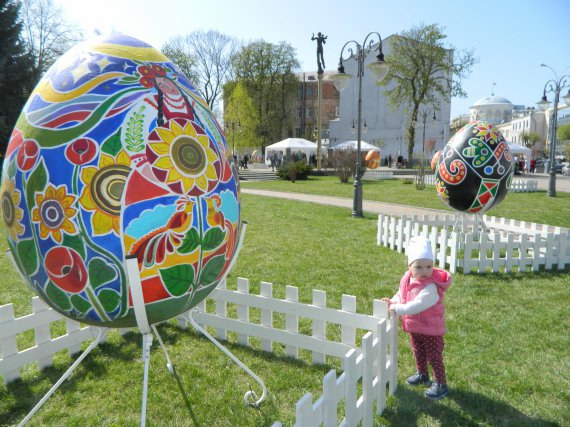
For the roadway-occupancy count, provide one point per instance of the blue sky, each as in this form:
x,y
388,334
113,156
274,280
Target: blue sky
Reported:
x,y
511,38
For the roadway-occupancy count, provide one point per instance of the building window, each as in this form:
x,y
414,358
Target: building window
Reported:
x,y
309,112
299,113
309,92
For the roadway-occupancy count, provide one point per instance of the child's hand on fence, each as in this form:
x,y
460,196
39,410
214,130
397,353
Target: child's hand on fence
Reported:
x,y
389,302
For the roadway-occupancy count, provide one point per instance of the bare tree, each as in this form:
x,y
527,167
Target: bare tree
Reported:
x,y
46,35
210,53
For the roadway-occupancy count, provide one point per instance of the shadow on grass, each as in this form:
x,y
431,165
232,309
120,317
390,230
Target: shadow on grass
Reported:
x,y
20,396
460,408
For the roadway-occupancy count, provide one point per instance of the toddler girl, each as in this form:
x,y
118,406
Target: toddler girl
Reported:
x,y
420,303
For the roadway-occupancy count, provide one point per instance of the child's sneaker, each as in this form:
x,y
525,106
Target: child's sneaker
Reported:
x,y
437,391
418,379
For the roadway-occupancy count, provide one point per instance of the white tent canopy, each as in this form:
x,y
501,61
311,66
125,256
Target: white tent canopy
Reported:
x,y
353,145
517,149
295,144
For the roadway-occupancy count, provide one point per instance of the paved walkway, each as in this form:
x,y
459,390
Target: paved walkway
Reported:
x,y
367,205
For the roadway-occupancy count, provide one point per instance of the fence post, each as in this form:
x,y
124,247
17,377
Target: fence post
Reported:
x,y
319,326
266,290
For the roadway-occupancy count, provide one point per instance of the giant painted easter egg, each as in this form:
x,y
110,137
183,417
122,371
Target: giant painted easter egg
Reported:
x,y
373,159
474,171
117,156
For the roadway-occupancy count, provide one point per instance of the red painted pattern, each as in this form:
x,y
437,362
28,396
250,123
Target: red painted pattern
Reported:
x,y
455,175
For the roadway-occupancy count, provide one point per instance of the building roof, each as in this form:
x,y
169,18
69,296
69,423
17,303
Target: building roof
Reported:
x,y
492,100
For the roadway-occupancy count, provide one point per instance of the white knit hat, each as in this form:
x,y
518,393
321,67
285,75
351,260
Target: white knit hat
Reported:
x,y
419,248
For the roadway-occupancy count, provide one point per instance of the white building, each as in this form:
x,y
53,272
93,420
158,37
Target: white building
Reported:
x,y
383,122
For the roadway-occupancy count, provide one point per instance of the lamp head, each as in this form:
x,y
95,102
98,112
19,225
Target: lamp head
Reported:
x,y
341,79
544,103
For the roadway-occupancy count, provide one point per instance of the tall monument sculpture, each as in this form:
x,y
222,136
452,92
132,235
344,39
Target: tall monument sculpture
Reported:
x,y
321,40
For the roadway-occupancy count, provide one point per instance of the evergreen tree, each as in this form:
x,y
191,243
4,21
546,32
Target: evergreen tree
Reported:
x,y
16,70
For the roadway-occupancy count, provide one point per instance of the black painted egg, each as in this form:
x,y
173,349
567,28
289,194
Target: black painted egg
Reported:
x,y
475,170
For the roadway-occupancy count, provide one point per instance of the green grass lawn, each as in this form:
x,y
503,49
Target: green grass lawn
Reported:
x,y
506,353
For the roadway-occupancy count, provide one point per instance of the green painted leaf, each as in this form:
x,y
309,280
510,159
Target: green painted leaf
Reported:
x,y
12,168
190,243
57,296
100,272
113,144
74,242
80,304
178,279
212,270
109,299
213,238
28,256
36,182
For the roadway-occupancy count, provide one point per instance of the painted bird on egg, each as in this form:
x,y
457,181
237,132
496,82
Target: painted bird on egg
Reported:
x,y
117,155
475,169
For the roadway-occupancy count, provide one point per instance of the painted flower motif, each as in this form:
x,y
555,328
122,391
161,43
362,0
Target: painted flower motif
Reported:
x,y
81,151
11,212
53,212
183,159
487,131
66,269
27,155
104,185
148,74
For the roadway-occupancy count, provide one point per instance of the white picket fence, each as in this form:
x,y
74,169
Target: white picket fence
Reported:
x,y
518,185
459,241
376,175
367,369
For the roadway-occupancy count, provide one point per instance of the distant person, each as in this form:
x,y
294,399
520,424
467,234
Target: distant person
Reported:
x,y
532,165
419,301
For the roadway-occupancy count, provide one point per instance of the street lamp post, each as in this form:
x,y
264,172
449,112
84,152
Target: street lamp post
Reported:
x,y
553,85
232,126
379,68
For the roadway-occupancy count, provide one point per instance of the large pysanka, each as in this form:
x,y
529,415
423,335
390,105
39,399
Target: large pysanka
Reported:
x,y
474,171
116,155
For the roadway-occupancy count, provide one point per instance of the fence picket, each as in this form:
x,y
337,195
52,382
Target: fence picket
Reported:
x,y
266,290
319,326
351,378
222,311
367,380
291,320
8,343
42,332
347,332
243,309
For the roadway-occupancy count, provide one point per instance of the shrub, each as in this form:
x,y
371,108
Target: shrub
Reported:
x,y
344,164
293,171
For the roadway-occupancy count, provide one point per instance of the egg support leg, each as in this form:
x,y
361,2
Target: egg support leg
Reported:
x,y
102,332
133,278
100,335
250,397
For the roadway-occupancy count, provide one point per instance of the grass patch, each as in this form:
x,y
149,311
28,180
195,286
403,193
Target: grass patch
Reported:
x,y
506,349
531,207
